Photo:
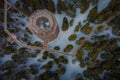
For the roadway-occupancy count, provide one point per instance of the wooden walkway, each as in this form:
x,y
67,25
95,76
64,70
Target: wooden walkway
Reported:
x,y
13,38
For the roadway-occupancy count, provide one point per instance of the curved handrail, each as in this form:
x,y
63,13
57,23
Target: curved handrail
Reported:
x,y
14,37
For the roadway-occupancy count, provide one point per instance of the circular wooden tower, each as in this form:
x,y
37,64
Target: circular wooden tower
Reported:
x,y
43,24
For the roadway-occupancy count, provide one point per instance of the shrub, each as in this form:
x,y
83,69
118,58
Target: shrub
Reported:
x,y
84,6
45,54
68,48
80,41
33,69
79,55
71,10
62,71
38,4
91,66
22,74
56,48
99,28
51,6
72,37
86,28
93,14
37,44
65,24
18,58
61,6
56,61
63,60
59,66
48,66
77,27
50,55
44,57
93,56
89,45
82,65
31,55
25,10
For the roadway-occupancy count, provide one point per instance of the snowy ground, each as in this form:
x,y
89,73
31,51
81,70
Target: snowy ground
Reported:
x,y
5,58
71,69
118,43
102,4
12,1
62,39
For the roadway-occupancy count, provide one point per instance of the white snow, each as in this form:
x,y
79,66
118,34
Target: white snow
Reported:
x,y
71,69
55,2
13,1
34,38
62,39
5,58
118,43
102,4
